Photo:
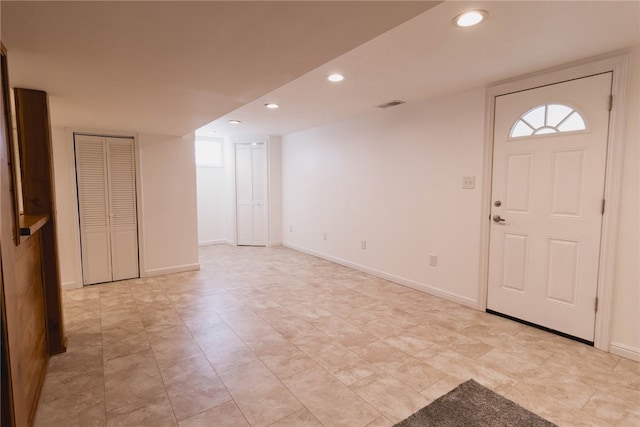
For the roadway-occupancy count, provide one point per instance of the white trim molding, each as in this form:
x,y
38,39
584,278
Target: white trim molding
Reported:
x,y
625,351
214,242
68,286
617,63
170,270
387,276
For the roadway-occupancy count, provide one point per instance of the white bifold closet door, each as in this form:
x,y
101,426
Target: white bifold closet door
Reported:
x,y
251,194
107,206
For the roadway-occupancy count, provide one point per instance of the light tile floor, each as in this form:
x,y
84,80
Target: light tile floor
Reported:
x,y
273,337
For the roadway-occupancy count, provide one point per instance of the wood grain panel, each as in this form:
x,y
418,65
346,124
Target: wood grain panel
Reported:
x,y
6,397
17,413
31,342
26,328
34,132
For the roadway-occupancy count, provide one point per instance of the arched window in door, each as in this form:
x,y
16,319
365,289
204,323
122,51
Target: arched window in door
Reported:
x,y
547,119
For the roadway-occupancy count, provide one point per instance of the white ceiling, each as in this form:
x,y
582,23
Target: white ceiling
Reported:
x,y
428,56
170,67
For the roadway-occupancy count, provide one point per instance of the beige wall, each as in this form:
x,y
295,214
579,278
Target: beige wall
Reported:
x,y
68,231
169,207
394,179
212,205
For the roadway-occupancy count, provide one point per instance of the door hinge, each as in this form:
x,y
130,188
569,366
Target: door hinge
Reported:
x,y
603,202
596,304
610,102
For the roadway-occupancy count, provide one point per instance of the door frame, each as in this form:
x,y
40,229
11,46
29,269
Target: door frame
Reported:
x,y
618,63
240,140
71,133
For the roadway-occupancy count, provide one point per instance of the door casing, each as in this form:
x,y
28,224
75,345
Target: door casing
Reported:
x,y
618,63
70,139
113,229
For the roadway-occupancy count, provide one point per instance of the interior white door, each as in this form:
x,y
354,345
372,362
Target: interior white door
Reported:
x,y
122,208
549,161
107,206
258,187
93,201
251,194
244,195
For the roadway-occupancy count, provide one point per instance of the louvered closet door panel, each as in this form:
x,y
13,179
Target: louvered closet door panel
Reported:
x,y
122,200
258,160
244,195
93,209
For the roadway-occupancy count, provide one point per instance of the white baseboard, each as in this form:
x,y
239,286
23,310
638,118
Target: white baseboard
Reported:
x,y
272,244
214,242
625,351
392,278
170,270
67,286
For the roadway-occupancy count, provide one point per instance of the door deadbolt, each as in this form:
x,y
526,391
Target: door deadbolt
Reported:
x,y
497,203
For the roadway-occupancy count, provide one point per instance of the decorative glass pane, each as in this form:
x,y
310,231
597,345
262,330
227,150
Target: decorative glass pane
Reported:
x,y
556,113
535,117
544,130
548,119
521,129
572,123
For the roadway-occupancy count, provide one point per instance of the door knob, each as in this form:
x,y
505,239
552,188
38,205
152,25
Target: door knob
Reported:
x,y
498,218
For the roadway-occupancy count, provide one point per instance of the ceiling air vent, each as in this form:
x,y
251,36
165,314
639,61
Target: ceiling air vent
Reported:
x,y
390,104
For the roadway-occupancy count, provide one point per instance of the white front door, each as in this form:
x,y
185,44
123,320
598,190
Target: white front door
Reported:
x,y
251,194
550,146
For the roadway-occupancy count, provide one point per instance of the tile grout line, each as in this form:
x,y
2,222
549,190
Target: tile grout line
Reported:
x,y
262,362
214,370
272,373
164,385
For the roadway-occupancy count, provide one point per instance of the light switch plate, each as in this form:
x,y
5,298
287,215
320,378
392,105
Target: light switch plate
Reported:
x,y
468,182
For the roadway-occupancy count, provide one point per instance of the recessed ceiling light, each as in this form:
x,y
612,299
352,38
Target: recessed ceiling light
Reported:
x,y
335,77
271,106
470,18
235,122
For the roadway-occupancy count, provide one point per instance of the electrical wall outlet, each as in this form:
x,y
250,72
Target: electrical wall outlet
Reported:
x,y
433,260
291,229
363,244
324,236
